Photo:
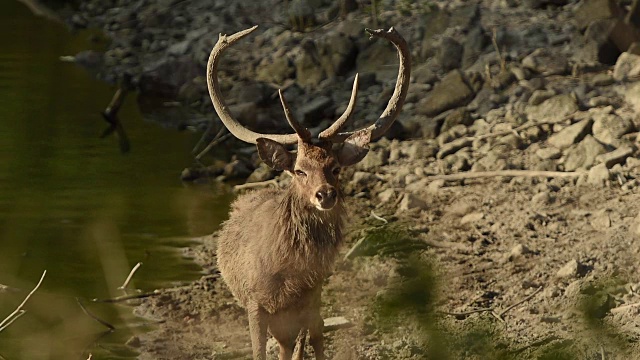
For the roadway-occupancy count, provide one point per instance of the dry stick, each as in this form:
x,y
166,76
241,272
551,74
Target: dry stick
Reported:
x,y
523,127
525,173
7,321
133,271
500,316
624,307
127,297
216,140
354,248
255,185
466,313
16,317
377,217
503,63
94,317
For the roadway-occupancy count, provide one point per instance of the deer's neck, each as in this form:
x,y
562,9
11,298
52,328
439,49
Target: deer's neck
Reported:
x,y
306,230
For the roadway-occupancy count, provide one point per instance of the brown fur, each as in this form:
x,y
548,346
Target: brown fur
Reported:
x,y
278,247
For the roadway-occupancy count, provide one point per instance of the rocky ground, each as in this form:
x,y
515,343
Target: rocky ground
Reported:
x,y
505,203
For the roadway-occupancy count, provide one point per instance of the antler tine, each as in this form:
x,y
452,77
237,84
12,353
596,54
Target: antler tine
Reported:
x,y
302,132
394,106
342,120
237,129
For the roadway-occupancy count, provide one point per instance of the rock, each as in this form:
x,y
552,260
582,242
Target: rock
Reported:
x,y
420,150
592,10
275,70
386,195
634,228
166,76
546,62
601,221
541,198
363,178
375,58
617,156
236,169
608,128
471,218
315,110
571,134
246,113
627,66
335,323
453,146
602,79
411,201
518,251
572,269
453,91
309,71
374,158
584,155
475,43
449,55
556,107
261,173
179,48
301,14
540,96
337,54
549,153
456,117
598,175
424,74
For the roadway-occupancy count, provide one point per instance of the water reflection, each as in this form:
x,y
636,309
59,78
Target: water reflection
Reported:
x,y
72,204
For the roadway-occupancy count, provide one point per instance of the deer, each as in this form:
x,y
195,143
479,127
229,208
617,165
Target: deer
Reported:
x,y
279,245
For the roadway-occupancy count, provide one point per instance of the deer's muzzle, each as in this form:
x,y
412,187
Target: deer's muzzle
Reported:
x,y
326,197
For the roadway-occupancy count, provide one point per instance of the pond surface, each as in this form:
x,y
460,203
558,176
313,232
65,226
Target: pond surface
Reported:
x,y
72,204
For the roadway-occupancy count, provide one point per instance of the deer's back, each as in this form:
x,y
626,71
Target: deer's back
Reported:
x,y
262,260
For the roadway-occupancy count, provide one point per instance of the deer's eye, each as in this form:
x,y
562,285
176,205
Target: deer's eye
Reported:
x,y
300,173
336,171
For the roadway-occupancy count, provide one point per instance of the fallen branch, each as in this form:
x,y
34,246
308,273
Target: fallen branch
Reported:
x,y
466,313
220,137
447,245
511,173
523,127
255,185
353,249
377,217
127,297
133,271
501,315
94,317
624,307
18,311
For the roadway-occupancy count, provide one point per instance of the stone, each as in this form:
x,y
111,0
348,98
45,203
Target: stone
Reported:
x,y
555,107
309,71
275,70
549,153
386,195
315,110
452,92
475,43
617,156
449,54
540,96
335,323
602,79
374,159
453,146
627,66
572,269
541,198
608,128
456,117
518,251
363,178
584,155
420,150
571,134
546,62
598,175
634,228
411,201
261,173
601,221
337,54
472,218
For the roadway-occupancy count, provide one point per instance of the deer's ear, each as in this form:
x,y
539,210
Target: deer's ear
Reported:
x,y
354,148
275,155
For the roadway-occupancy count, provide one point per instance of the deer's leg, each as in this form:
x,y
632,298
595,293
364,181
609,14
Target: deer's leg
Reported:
x,y
302,338
258,330
315,335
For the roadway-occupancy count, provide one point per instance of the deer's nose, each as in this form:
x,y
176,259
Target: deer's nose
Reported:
x,y
326,197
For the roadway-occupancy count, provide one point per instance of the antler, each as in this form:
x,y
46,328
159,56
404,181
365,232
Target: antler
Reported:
x,y
332,133
394,106
237,129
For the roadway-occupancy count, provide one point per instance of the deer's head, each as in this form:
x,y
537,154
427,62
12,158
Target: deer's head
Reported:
x,y
316,165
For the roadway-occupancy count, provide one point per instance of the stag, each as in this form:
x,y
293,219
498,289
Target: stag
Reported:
x,y
279,245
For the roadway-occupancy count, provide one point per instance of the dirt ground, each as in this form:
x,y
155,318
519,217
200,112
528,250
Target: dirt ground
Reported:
x,y
517,268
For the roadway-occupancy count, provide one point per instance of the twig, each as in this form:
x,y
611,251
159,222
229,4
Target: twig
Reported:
x,y
522,127
466,313
624,307
256,184
94,317
501,315
133,271
447,245
512,173
8,320
216,140
503,63
355,246
14,318
602,357
377,217
126,297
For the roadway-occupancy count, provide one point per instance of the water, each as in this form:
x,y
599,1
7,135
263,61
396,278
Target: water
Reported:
x,y
72,204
